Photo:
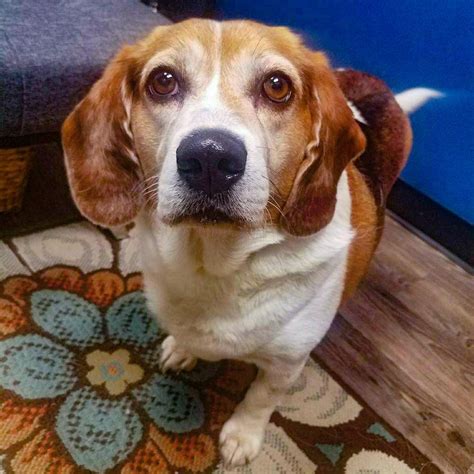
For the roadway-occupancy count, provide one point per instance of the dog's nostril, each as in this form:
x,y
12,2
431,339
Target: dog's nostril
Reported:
x,y
231,165
189,166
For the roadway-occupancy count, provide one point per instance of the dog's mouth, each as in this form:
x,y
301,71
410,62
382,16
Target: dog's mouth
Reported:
x,y
205,217
205,211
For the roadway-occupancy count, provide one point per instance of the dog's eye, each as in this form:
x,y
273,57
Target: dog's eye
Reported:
x,y
277,88
162,82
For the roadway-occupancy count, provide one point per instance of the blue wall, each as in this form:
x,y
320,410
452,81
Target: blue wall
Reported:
x,y
408,43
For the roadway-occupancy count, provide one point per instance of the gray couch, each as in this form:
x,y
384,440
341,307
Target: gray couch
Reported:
x,y
51,52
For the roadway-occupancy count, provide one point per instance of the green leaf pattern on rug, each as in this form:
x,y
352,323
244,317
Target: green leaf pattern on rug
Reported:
x,y
69,317
378,429
34,367
98,433
331,451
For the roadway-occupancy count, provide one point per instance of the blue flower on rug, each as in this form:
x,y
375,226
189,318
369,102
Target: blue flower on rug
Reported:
x,y
90,361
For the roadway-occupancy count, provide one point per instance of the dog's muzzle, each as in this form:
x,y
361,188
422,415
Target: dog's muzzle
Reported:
x,y
211,161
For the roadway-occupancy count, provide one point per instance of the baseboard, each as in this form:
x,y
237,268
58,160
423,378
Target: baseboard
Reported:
x,y
431,219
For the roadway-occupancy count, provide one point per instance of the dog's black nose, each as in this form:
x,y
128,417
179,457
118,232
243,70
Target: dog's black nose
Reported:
x,y
211,160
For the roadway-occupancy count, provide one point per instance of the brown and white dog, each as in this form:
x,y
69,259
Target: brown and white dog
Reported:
x,y
258,197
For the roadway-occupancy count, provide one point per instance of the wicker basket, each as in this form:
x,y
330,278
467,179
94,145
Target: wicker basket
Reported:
x,y
14,167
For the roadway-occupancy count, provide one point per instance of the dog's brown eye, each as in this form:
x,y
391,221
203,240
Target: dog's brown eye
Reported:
x,y
163,83
277,88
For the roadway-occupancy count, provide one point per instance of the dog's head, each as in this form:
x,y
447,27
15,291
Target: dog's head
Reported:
x,y
203,123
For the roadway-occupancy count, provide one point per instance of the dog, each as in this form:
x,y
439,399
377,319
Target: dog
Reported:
x,y
257,177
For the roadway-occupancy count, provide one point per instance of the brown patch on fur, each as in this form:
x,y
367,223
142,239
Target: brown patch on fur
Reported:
x,y
105,180
175,37
372,175
254,38
388,131
102,175
365,220
312,201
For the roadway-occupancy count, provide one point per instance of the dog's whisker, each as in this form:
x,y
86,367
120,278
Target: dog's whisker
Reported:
x,y
264,147
150,190
277,208
151,177
275,188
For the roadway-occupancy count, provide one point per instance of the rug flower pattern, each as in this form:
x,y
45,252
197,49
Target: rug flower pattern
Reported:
x,y
57,367
81,391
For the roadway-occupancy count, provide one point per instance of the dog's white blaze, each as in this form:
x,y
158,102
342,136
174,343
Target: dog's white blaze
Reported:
x,y
211,96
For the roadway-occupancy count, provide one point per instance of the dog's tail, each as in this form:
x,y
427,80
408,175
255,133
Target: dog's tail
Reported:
x,y
412,99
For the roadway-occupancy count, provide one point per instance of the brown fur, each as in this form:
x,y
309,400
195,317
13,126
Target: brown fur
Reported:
x,y
312,201
102,175
365,220
389,135
372,175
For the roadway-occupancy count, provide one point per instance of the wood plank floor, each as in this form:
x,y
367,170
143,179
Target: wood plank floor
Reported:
x,y
405,344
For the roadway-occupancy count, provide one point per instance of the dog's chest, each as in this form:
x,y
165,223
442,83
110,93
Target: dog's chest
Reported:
x,y
231,298
227,294
212,314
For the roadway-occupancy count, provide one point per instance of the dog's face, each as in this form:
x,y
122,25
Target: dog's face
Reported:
x,y
206,123
224,111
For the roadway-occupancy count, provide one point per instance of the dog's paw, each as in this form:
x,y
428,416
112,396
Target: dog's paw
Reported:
x,y
240,440
174,358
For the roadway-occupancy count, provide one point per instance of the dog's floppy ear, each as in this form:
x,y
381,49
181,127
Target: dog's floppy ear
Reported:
x,y
336,140
102,167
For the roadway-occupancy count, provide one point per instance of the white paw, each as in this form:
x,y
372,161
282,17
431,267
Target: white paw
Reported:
x,y
240,440
174,358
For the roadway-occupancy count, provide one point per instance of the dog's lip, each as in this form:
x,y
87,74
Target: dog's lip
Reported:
x,y
202,209
205,218
210,216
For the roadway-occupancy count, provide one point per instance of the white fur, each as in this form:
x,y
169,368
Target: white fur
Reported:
x,y
413,99
356,112
127,105
260,296
318,123
212,93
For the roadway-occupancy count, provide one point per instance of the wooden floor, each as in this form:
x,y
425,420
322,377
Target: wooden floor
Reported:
x,y
405,345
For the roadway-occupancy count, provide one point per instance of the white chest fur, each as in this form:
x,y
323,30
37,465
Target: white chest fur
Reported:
x,y
226,294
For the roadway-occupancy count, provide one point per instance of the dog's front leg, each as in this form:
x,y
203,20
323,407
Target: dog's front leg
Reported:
x,y
242,435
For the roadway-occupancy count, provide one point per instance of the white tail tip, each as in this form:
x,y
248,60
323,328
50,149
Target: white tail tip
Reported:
x,y
412,99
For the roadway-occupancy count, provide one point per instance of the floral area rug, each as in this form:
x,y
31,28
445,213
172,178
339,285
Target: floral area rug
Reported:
x,y
81,391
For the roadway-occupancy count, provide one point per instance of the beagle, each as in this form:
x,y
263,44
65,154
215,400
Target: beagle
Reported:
x,y
257,177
